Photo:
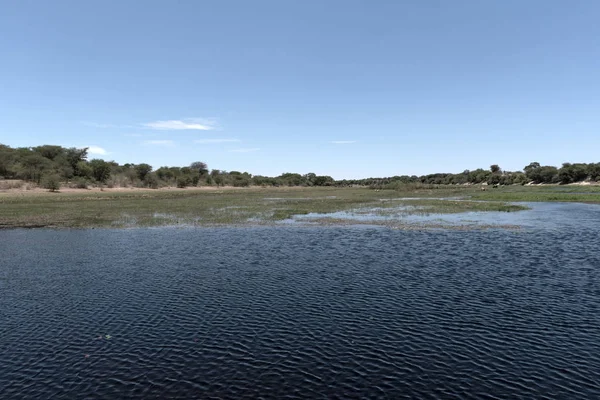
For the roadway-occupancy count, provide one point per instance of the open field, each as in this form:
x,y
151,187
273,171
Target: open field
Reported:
x,y
131,208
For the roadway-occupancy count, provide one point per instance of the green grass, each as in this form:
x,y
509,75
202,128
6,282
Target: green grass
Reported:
x,y
567,193
254,205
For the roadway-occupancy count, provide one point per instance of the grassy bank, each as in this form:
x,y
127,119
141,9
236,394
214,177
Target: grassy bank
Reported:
x,y
205,207
257,205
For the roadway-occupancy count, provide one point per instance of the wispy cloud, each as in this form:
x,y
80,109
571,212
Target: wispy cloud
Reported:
x,y
198,124
245,150
165,143
97,150
343,141
211,141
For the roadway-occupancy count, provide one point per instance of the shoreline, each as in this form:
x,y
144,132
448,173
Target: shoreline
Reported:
x,y
262,206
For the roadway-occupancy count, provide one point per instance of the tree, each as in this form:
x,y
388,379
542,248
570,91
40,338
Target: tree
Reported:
x,y
495,168
151,181
100,170
33,166
84,170
572,173
323,180
51,182
548,174
49,151
199,166
593,171
183,182
532,171
142,170
74,156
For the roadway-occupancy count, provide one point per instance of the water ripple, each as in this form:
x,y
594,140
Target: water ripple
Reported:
x,y
299,312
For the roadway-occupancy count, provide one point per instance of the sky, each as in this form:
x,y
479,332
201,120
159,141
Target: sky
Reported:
x,y
346,88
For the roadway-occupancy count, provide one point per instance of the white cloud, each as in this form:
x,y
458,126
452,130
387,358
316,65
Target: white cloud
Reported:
x,y
166,143
246,150
185,124
97,150
209,141
343,141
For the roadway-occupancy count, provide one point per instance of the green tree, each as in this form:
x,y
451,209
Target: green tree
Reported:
x,y
33,166
183,181
84,170
151,180
200,167
142,170
51,182
74,157
323,180
49,151
100,170
593,171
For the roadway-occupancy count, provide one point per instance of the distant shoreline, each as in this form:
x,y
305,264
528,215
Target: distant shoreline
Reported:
x,y
234,206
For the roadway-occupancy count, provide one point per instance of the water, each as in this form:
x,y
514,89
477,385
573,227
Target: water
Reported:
x,y
303,312
539,215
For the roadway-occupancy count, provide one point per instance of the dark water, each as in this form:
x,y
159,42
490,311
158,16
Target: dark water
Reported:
x,y
309,312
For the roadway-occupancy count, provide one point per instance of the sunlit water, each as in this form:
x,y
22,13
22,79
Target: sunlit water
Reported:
x,y
310,312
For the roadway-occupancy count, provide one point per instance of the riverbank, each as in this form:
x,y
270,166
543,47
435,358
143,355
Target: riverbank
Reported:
x,y
79,208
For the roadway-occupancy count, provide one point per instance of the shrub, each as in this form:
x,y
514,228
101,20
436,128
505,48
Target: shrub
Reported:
x,y
183,182
80,183
152,181
51,182
11,184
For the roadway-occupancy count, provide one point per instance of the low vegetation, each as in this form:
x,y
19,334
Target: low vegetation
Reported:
x,y
219,197
252,206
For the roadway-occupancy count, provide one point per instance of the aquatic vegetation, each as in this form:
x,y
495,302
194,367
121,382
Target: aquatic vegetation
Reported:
x,y
261,205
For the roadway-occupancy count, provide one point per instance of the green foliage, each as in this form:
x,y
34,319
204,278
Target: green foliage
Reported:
x,y
151,181
31,164
75,157
323,180
593,171
142,170
51,182
100,170
80,183
84,170
570,173
183,182
48,151
199,167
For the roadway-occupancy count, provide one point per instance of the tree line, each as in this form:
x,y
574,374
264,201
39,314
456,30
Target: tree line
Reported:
x,y
52,166
532,173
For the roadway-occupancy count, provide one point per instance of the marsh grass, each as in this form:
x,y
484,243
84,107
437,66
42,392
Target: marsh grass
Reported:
x,y
256,205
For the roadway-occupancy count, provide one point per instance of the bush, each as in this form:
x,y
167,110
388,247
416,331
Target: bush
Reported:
x,y
51,182
183,182
11,184
152,181
80,183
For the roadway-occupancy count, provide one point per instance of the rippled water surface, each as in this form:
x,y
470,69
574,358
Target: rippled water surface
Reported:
x,y
309,312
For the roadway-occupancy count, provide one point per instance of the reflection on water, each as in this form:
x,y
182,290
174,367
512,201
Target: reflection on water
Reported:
x,y
304,312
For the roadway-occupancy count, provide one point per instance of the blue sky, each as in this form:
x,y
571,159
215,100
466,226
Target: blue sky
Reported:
x,y
344,88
